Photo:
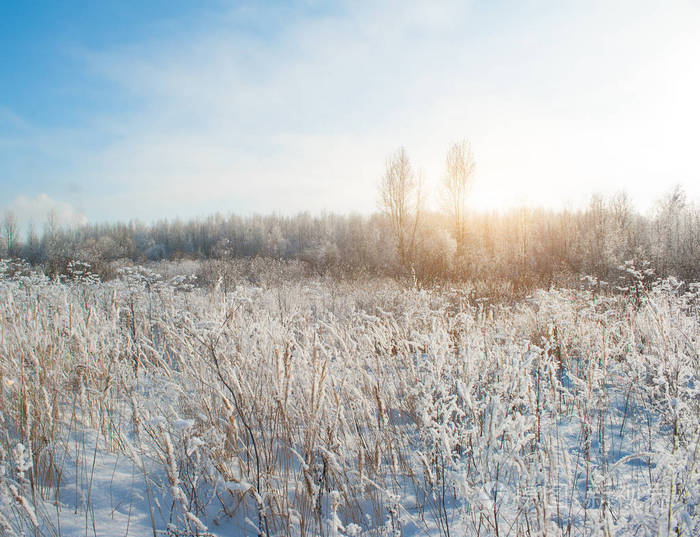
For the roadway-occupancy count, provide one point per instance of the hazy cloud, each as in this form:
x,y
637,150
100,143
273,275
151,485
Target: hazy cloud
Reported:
x,y
35,211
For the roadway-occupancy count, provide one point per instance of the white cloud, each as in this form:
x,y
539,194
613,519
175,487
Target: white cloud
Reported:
x,y
36,210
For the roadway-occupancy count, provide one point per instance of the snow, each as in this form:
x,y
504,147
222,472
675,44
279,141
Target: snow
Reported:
x,y
130,408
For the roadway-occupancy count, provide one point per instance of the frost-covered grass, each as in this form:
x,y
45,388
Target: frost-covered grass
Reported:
x,y
147,406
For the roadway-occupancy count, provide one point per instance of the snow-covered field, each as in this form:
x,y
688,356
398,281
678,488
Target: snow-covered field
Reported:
x,y
148,406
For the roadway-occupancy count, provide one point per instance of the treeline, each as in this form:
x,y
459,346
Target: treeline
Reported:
x,y
521,247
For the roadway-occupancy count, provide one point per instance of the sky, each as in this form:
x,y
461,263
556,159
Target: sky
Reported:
x,y
119,110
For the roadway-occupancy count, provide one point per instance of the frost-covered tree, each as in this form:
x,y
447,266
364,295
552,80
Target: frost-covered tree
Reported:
x,y
9,229
458,178
677,235
400,200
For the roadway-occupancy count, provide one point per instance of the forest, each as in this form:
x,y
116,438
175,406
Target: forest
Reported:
x,y
518,249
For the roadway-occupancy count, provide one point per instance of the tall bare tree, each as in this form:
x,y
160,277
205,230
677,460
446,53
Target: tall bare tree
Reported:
x,y
9,228
458,178
400,199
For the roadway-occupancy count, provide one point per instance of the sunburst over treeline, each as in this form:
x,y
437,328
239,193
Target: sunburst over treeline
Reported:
x,y
523,247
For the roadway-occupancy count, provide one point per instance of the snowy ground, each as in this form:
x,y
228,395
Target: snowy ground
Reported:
x,y
148,406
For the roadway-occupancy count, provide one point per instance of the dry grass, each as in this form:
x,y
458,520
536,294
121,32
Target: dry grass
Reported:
x,y
317,409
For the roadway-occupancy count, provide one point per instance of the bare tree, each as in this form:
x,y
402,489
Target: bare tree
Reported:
x,y
622,238
669,223
458,179
9,227
400,199
50,238
597,223
622,211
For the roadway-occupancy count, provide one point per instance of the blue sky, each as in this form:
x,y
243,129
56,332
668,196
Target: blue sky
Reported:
x,y
153,109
